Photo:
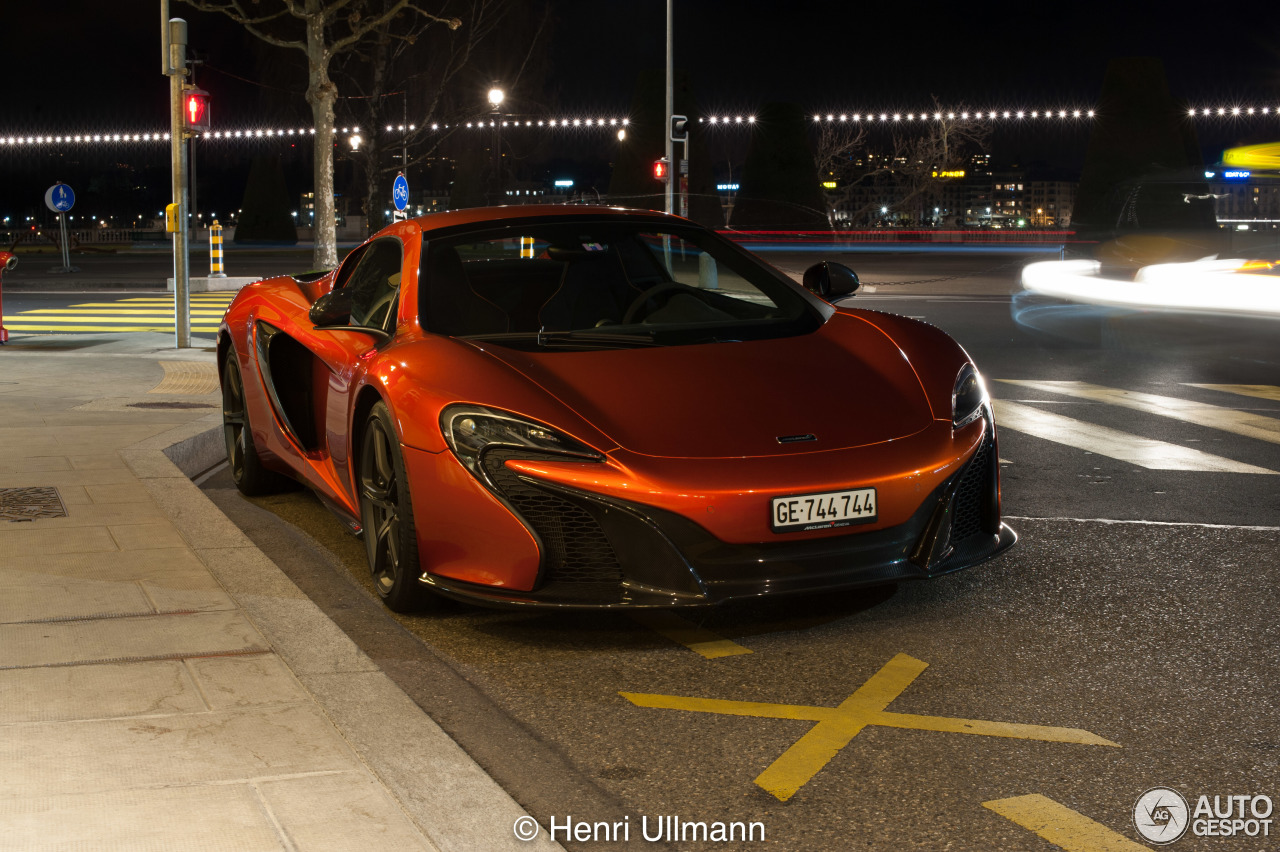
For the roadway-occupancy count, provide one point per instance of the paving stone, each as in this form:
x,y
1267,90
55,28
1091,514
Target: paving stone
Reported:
x,y
24,539
105,514
45,758
146,536
49,600
118,639
227,682
206,818
341,813
67,693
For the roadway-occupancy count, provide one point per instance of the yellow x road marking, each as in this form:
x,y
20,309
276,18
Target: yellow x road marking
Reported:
x,y
837,726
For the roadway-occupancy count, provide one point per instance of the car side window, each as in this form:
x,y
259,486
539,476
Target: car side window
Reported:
x,y
375,283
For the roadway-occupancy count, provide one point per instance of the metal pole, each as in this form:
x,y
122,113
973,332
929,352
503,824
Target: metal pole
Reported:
x,y
178,156
670,109
66,251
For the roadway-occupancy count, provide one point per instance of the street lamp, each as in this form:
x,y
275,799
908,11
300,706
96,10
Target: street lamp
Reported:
x,y
496,97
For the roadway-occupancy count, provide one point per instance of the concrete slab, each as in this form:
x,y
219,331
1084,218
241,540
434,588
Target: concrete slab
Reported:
x,y
110,690
132,638
341,813
24,540
103,514
208,818
46,600
146,536
229,682
438,784
47,758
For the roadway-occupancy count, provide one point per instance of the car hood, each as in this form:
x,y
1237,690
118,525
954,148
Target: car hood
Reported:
x,y
847,385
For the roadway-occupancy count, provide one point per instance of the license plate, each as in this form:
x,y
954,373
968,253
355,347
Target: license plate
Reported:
x,y
827,510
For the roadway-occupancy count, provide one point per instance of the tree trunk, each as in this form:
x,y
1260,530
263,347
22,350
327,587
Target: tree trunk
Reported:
x,y
322,94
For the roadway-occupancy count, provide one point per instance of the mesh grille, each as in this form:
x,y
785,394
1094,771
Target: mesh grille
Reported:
x,y
966,505
577,550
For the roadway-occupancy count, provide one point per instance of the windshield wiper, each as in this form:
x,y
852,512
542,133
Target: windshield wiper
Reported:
x,y
549,339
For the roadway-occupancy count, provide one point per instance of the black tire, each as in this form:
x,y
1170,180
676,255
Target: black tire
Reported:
x,y
386,513
247,470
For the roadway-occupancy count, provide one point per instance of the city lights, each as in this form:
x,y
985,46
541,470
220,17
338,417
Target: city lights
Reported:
x,y
897,117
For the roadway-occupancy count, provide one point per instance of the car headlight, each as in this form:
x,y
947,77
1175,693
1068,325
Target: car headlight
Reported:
x,y
969,397
471,429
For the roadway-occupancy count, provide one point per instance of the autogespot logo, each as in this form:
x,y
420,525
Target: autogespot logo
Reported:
x,y
1160,815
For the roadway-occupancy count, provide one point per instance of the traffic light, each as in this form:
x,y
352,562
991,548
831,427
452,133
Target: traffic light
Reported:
x,y
195,109
679,128
661,170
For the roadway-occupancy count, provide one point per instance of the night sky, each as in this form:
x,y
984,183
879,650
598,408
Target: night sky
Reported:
x,y
100,61
95,66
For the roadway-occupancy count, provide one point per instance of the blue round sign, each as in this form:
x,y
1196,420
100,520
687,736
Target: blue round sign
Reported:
x,y
59,198
400,192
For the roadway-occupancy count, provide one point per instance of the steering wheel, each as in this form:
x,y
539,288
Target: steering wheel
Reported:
x,y
634,309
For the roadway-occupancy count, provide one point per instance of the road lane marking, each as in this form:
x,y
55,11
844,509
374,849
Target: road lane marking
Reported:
x,y
1270,392
836,727
1247,527
1104,441
1062,826
683,632
1242,423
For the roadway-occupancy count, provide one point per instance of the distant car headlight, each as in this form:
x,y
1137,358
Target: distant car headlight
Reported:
x,y
969,397
471,429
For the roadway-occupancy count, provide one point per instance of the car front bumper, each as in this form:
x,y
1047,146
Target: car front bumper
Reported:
x,y
603,552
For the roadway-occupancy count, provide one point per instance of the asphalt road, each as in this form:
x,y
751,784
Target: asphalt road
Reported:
x,y
1138,610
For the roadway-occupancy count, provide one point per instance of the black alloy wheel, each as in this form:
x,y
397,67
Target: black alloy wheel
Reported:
x,y
247,470
386,513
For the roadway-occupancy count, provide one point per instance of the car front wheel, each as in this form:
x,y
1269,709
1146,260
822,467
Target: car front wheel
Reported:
x,y
247,470
386,513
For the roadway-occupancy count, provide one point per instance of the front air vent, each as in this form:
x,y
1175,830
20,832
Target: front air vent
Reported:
x,y
575,548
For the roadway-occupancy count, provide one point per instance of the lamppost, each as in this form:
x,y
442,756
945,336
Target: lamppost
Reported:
x,y
496,97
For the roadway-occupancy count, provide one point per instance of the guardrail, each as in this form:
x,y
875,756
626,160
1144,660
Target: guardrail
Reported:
x,y
81,236
896,235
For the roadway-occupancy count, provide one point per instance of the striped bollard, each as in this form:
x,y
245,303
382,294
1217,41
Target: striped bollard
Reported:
x,y
526,246
215,251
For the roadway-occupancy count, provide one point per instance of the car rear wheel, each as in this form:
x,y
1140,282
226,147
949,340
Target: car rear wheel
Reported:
x,y
251,477
386,513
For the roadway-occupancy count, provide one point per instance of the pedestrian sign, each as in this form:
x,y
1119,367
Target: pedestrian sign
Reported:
x,y
59,198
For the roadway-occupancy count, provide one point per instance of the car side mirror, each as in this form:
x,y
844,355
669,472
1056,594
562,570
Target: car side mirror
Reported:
x,y
332,312
831,280
332,309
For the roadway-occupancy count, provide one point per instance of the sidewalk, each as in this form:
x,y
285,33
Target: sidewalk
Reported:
x,y
162,684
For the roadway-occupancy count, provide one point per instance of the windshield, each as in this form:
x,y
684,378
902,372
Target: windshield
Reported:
x,y
590,285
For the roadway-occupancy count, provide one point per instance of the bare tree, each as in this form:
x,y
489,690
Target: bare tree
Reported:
x,y
403,79
915,162
324,30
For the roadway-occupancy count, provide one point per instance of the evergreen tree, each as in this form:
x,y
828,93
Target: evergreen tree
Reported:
x,y
780,187
1142,169
265,215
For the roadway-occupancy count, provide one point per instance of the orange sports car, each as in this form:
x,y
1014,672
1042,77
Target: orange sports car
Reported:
x,y
592,407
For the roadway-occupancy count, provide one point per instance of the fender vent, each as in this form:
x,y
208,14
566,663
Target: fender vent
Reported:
x,y
576,549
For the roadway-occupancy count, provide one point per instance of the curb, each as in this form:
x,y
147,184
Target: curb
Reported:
x,y
453,801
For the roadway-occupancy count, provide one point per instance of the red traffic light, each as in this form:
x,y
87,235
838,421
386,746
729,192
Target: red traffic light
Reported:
x,y
661,169
195,109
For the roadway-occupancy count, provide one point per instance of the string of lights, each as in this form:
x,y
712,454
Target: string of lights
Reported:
x,y
29,139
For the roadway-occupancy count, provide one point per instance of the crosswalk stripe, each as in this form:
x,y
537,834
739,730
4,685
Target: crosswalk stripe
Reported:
x,y
1112,443
109,318
1270,392
1244,423
137,314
